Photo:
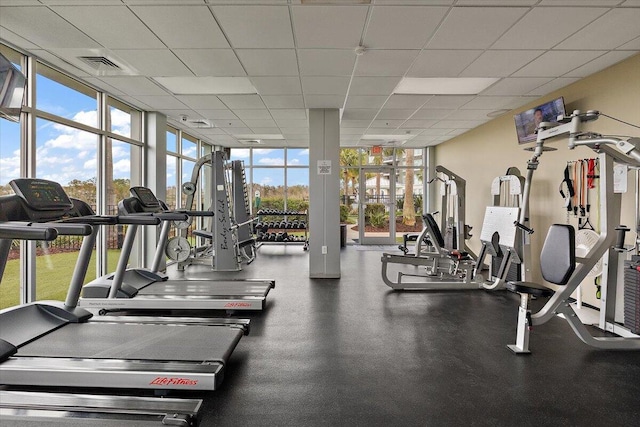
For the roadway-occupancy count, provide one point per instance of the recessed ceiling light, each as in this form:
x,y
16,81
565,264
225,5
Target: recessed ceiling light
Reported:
x,y
443,85
498,112
207,85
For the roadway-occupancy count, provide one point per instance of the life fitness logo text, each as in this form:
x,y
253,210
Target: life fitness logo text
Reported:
x,y
173,381
237,304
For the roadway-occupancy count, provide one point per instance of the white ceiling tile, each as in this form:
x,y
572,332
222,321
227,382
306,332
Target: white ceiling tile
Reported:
x,y
412,26
324,101
355,123
385,62
395,113
516,85
458,124
268,131
295,114
365,101
442,63
448,102
359,114
474,27
328,27
162,102
386,124
217,114
297,143
134,85
599,34
418,123
119,28
632,45
351,131
406,101
197,28
256,26
470,115
229,123
277,85
294,131
211,62
431,132
382,131
416,2
16,40
283,101
373,85
488,103
29,22
631,3
549,25
51,57
579,3
258,114
292,123
326,62
496,2
520,101
21,3
601,63
553,85
500,63
321,85
260,123
211,131
556,63
431,113
154,62
96,82
201,102
242,101
269,62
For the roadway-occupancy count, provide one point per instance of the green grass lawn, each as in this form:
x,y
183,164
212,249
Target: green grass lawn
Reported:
x,y
53,274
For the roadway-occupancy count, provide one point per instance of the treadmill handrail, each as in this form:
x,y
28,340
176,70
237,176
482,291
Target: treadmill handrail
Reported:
x,y
63,229
26,232
194,213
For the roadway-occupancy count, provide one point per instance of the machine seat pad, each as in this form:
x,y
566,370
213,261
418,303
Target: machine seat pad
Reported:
x,y
530,288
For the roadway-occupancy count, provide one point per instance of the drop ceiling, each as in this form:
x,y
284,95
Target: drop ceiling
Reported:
x,y
301,54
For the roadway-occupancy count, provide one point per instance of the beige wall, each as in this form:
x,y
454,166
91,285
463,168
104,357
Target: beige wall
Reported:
x,y
487,151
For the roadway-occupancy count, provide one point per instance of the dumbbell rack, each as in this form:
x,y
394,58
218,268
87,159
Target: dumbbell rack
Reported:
x,y
276,232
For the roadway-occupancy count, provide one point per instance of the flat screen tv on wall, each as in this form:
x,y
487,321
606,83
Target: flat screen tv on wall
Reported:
x,y
12,89
527,122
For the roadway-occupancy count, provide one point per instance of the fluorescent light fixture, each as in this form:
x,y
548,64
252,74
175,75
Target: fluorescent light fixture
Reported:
x,y
443,85
207,85
274,136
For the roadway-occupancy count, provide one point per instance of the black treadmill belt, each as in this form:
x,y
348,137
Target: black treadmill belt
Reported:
x,y
137,342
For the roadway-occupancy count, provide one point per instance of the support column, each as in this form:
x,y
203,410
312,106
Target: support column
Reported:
x,y
324,193
155,173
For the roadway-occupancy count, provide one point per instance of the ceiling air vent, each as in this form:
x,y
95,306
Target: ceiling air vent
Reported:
x,y
250,141
99,62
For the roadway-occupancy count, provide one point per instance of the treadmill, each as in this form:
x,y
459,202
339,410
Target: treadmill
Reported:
x,y
29,408
150,289
57,344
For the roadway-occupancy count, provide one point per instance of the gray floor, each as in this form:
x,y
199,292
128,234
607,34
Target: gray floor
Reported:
x,y
353,352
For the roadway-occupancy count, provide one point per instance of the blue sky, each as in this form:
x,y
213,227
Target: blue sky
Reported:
x,y
64,153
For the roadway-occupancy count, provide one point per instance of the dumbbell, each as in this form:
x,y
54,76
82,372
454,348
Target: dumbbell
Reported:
x,y
303,224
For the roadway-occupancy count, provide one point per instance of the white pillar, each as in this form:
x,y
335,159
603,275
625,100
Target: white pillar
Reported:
x,y
324,193
155,172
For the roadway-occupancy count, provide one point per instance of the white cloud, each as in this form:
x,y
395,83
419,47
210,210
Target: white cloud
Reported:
x,y
120,122
242,153
91,164
266,180
262,150
271,161
122,169
294,161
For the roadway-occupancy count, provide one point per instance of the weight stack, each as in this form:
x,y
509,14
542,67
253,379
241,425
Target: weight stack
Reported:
x,y
632,296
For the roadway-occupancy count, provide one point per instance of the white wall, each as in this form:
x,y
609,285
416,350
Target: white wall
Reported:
x,y
487,151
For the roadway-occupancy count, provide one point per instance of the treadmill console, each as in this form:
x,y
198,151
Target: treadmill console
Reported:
x,y
41,194
146,197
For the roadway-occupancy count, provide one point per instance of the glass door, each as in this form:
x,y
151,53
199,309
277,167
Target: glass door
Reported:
x,y
377,205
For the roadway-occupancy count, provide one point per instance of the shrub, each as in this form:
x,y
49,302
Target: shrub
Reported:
x,y
344,213
378,219
377,210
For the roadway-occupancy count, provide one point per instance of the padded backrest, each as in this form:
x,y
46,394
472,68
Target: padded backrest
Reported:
x,y
558,256
436,229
